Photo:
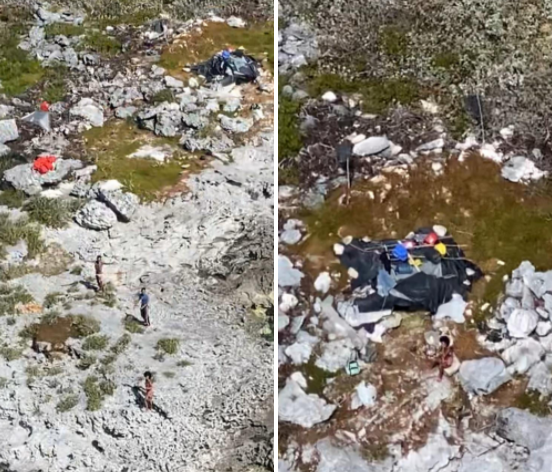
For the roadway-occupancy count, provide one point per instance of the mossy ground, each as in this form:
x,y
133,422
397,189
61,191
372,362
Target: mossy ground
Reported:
x,y
257,40
494,220
110,147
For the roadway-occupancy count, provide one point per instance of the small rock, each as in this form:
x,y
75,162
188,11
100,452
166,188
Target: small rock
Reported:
x,y
288,302
236,125
236,22
290,237
522,323
8,131
483,376
329,97
371,146
323,282
365,395
171,82
95,215
283,321
88,110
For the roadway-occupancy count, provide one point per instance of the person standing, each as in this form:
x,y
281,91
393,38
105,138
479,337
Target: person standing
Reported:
x,y
99,273
144,301
148,376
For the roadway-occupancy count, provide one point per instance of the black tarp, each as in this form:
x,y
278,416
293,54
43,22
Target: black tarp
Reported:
x,y
425,288
236,67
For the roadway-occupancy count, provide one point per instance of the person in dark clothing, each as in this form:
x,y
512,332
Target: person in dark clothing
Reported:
x,y
98,266
144,301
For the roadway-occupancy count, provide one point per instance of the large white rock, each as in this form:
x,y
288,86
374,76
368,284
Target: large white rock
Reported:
x,y
295,406
323,282
283,321
525,429
335,355
288,276
522,323
8,131
483,376
521,169
540,379
329,97
97,216
454,309
288,301
371,146
90,111
365,395
300,352
523,355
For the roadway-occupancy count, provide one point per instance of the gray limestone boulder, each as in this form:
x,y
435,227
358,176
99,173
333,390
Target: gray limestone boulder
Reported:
x,y
235,125
90,111
123,204
209,144
97,216
8,131
523,428
295,406
483,376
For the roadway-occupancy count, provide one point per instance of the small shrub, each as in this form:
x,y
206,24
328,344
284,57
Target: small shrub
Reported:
x,y
3,382
184,363
33,371
64,29
93,394
109,296
51,212
12,198
11,353
165,95
10,321
10,297
121,344
133,326
168,345
535,403
67,403
86,362
169,375
84,326
77,270
53,299
108,387
101,43
95,343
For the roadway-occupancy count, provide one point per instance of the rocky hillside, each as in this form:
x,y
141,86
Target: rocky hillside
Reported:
x,y
392,118
168,178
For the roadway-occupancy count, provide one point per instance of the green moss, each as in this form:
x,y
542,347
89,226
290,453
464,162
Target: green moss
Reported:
x,y
168,345
290,141
18,70
375,452
65,29
535,403
67,403
394,41
110,147
317,378
95,343
377,94
101,43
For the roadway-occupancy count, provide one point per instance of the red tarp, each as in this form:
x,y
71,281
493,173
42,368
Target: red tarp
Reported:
x,y
44,164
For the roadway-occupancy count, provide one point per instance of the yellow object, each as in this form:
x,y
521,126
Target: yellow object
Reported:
x,y
414,262
441,248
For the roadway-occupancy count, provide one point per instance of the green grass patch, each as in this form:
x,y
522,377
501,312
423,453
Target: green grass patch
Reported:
x,y
11,353
165,95
133,326
257,40
13,231
18,70
52,212
86,362
54,84
121,345
95,343
290,141
378,95
110,147
67,403
53,299
101,43
394,41
10,297
12,198
83,326
535,403
168,345
64,29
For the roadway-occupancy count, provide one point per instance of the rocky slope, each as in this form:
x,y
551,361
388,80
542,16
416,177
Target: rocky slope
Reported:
x,y
190,220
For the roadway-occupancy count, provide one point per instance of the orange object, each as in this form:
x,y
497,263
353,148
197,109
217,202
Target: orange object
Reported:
x,y
44,106
44,164
431,239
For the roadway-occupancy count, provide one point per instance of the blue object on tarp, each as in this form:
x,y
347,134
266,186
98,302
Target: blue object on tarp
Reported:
x,y
400,252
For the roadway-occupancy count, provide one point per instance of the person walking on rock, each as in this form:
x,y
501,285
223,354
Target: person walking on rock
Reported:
x,y
99,273
148,376
144,301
